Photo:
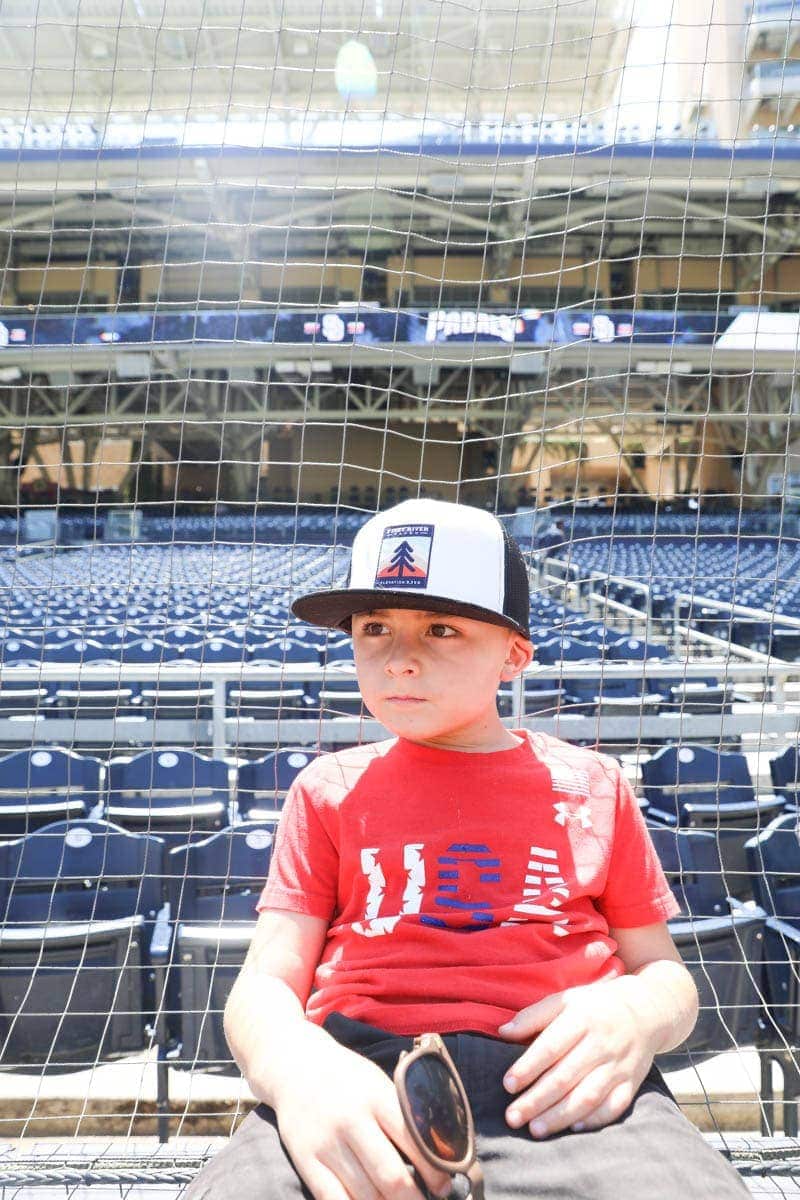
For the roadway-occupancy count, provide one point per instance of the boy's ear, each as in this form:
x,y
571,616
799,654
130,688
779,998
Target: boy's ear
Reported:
x,y
519,653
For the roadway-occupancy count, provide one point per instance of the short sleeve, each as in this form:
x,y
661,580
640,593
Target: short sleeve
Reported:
x,y
636,891
304,868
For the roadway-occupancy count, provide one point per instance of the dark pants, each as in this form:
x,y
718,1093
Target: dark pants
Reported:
x,y
651,1153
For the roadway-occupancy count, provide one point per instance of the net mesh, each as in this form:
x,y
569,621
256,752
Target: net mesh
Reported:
x,y
267,271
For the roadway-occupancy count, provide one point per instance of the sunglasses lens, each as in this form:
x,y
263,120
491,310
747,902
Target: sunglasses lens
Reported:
x,y
437,1108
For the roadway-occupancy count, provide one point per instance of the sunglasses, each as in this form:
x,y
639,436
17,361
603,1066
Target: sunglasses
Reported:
x,y
436,1109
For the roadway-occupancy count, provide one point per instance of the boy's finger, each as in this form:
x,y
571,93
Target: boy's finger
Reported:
x,y
549,1048
584,1099
324,1184
533,1018
394,1126
373,1168
612,1107
553,1085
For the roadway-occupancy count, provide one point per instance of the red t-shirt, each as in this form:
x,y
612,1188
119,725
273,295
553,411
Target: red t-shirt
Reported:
x,y
459,888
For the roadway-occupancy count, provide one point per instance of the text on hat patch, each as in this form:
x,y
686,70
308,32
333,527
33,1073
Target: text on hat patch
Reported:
x,y
404,557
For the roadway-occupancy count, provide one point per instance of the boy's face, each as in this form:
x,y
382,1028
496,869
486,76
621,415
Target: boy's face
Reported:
x,y
432,677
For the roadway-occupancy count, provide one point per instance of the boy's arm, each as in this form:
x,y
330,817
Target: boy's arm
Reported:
x,y
265,1012
593,1045
338,1113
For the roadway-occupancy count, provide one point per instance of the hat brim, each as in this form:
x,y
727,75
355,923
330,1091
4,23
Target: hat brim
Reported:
x,y
334,609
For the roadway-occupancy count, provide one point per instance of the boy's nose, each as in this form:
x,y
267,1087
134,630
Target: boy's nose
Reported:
x,y
401,660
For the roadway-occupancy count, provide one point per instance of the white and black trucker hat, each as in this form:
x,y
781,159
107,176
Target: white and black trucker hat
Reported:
x,y
430,555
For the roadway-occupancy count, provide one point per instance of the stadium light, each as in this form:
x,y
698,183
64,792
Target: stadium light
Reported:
x,y
355,73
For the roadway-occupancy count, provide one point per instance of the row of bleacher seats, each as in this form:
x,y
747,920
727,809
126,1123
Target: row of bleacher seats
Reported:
x,y
756,572
240,644
111,943
327,524
180,793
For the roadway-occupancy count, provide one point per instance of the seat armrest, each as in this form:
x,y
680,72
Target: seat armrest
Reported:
x,y
744,809
769,798
160,953
789,932
162,936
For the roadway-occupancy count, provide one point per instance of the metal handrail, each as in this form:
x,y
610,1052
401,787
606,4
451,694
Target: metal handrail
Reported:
x,y
757,614
219,675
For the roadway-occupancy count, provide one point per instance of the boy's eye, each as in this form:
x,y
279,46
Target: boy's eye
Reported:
x,y
373,628
439,630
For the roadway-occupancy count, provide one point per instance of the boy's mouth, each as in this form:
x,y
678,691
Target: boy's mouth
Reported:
x,y
405,699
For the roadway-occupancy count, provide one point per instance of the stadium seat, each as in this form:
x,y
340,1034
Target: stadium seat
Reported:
x,y
774,860
25,697
44,785
262,784
82,912
718,938
177,794
631,649
215,885
696,787
283,652
177,700
144,650
785,772
269,702
216,650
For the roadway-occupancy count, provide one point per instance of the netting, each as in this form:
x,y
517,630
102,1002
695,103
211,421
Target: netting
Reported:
x,y
268,269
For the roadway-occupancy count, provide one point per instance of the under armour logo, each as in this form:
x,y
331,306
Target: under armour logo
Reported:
x,y
564,813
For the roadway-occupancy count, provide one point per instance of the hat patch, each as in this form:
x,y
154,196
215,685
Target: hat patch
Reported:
x,y
404,557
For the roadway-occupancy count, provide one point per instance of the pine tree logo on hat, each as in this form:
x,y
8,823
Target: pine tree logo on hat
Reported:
x,y
404,557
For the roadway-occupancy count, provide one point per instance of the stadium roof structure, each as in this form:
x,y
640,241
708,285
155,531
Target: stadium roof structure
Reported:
x,y
96,59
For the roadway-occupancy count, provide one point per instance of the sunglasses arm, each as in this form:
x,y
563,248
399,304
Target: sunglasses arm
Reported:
x,y
475,1177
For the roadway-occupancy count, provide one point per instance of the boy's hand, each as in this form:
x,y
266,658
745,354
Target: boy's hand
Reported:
x,y
340,1119
593,1049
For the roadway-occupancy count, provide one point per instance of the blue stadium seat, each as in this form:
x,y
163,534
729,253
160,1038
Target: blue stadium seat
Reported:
x,y
143,650
630,649
696,787
19,650
177,794
80,650
265,701
216,650
283,652
567,649
774,860
718,938
214,889
25,697
785,772
39,786
183,635
262,784
81,905
690,860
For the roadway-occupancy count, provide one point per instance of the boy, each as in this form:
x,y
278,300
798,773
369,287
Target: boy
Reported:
x,y
496,887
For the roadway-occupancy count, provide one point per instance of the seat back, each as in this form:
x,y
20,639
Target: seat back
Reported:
x,y
221,878
215,887
157,776
691,862
773,859
80,871
49,771
79,901
686,774
722,956
785,772
263,783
